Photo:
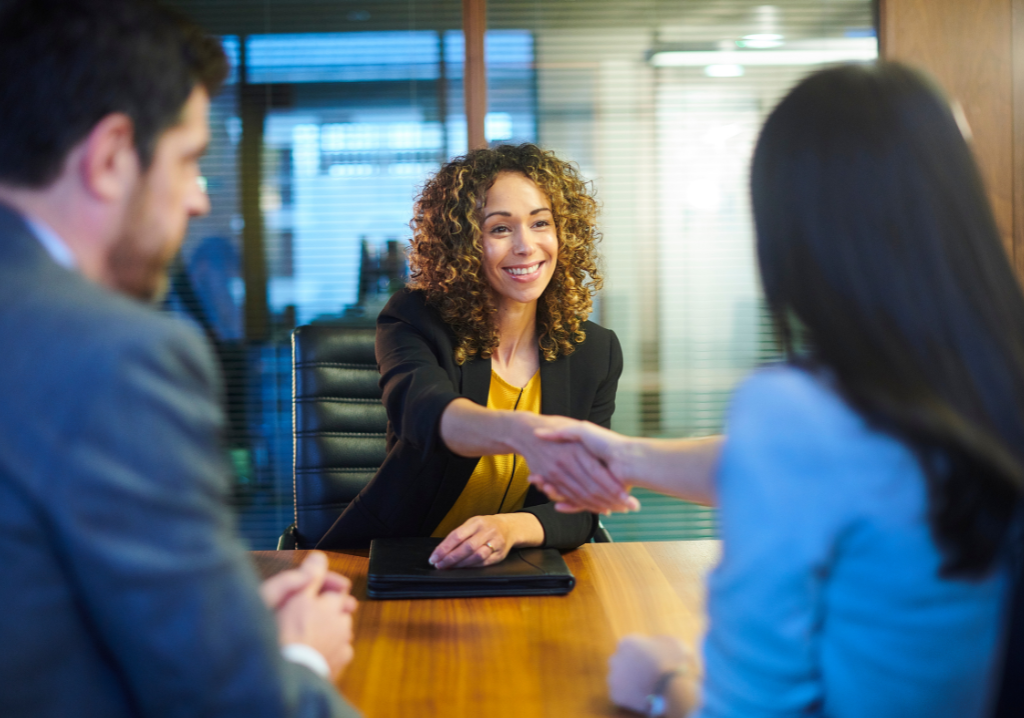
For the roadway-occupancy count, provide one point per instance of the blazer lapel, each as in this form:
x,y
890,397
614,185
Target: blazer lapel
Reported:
x,y
476,385
476,380
554,387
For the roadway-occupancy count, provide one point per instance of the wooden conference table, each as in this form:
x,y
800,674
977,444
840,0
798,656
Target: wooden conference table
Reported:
x,y
524,656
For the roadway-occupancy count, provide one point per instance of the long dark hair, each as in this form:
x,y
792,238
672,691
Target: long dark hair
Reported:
x,y
877,245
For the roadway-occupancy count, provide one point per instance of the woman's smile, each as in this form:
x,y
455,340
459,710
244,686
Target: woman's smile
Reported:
x,y
525,272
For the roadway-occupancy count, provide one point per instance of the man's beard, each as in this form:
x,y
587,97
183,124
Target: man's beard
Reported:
x,y
137,263
133,271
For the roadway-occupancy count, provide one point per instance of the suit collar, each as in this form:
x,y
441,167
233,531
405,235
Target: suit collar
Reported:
x,y
19,245
52,242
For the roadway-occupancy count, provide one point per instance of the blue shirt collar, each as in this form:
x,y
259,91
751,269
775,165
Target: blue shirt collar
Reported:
x,y
52,243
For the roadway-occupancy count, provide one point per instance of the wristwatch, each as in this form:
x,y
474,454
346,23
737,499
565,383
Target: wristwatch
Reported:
x,y
657,705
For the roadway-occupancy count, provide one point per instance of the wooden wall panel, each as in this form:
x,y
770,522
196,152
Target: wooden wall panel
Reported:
x,y
1017,40
474,23
968,47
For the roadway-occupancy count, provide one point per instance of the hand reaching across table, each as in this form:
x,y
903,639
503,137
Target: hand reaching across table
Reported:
x,y
570,465
681,467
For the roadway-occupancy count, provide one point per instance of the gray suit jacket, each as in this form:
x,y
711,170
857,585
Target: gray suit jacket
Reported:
x,y
125,590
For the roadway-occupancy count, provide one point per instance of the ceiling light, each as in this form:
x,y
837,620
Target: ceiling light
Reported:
x,y
724,70
811,52
760,41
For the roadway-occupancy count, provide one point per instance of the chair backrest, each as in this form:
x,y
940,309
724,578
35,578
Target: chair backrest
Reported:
x,y
338,420
1009,701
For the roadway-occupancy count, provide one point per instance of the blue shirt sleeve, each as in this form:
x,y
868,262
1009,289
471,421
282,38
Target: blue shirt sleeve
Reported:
x,y
778,519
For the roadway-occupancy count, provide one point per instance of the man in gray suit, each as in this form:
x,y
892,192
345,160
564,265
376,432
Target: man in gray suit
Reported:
x,y
125,590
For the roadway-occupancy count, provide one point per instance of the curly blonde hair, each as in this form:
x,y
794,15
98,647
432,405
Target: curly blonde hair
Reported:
x,y
446,255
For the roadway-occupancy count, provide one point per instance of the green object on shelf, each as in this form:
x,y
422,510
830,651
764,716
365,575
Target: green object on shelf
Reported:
x,y
241,465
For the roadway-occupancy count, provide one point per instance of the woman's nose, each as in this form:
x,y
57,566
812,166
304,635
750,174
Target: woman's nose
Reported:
x,y
522,242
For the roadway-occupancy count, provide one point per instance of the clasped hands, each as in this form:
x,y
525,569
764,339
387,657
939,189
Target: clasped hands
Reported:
x,y
313,606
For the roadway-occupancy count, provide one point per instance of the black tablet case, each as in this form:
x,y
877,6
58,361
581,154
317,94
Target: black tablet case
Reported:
x,y
399,569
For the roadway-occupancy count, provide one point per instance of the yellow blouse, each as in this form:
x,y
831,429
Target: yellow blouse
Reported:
x,y
498,484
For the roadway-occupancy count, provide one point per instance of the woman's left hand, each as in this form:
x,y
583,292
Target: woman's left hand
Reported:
x,y
481,541
637,664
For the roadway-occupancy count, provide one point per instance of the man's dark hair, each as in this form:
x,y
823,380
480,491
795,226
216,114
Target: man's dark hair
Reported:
x,y
67,64
876,240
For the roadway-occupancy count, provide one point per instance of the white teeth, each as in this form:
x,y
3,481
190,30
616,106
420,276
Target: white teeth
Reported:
x,y
520,271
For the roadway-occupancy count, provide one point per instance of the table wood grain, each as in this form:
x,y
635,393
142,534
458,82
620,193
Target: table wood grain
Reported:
x,y
516,656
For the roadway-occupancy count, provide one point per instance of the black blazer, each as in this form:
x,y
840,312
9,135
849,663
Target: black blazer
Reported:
x,y
420,479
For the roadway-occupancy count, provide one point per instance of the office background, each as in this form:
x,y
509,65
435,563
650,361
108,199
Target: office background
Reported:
x,y
336,112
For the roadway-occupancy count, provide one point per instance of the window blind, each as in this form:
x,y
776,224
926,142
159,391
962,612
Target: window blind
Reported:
x,y
344,108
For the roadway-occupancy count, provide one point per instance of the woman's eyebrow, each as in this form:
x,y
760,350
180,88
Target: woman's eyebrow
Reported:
x,y
503,213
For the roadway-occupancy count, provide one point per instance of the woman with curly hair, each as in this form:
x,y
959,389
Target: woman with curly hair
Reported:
x,y
489,342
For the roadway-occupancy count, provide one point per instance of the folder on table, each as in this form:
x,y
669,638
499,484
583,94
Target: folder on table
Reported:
x,y
399,569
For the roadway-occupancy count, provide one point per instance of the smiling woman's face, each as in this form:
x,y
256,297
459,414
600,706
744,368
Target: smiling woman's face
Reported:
x,y
520,243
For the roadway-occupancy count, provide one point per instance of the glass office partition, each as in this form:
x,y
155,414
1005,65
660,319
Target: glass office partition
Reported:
x,y
336,113
660,103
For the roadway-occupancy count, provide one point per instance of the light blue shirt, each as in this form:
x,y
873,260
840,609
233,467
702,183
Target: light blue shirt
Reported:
x,y
51,242
828,601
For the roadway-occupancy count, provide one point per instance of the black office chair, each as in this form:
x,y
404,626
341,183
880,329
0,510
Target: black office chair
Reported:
x,y
1009,702
339,426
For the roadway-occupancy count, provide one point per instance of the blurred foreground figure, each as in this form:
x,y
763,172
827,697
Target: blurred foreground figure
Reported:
x,y
126,591
870,487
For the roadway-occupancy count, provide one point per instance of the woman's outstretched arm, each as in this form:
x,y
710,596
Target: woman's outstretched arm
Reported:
x,y
469,429
684,468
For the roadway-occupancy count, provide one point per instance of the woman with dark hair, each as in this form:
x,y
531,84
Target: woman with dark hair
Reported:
x,y
870,488
490,336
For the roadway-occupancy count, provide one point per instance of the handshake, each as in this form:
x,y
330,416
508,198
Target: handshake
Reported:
x,y
584,467
581,466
